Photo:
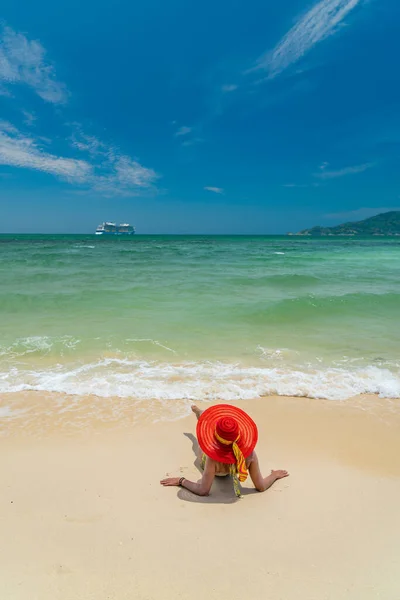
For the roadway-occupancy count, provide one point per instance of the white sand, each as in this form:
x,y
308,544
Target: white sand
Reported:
x,y
83,515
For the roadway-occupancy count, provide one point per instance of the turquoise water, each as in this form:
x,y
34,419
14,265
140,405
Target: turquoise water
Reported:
x,y
165,317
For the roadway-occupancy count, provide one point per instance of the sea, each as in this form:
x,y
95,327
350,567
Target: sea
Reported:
x,y
177,319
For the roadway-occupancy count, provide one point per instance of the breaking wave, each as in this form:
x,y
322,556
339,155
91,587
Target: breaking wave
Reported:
x,y
141,379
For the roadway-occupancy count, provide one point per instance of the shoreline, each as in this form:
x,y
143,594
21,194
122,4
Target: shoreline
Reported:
x,y
83,514
154,379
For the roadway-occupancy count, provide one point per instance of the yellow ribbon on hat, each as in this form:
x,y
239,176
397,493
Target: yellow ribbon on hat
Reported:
x,y
240,460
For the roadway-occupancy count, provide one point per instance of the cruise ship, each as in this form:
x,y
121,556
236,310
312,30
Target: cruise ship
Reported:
x,y
108,228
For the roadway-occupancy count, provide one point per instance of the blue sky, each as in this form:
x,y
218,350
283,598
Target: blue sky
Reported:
x,y
224,117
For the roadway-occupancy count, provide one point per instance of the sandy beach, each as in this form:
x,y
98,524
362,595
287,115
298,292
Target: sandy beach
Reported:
x,y
200,206
83,515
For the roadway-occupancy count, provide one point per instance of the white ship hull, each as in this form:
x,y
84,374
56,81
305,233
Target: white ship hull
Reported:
x,y
115,233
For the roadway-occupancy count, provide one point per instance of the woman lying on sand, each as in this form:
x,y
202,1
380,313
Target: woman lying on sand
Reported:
x,y
227,437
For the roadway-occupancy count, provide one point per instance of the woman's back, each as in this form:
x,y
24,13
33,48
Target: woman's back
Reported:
x,y
222,469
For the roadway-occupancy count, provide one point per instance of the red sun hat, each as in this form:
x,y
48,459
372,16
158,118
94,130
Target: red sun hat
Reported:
x,y
231,424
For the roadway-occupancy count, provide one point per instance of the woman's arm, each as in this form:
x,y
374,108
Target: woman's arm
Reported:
x,y
263,483
202,488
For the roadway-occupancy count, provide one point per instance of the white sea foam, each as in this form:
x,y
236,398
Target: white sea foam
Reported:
x,y
144,380
150,341
41,344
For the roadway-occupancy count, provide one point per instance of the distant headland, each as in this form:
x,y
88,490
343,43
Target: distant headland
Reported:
x,y
387,223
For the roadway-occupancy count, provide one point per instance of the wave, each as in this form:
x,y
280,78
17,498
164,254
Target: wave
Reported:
x,y
144,380
283,281
311,306
291,279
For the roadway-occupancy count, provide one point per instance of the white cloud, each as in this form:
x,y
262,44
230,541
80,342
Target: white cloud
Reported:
x,y
324,174
126,177
300,185
229,88
183,131
23,61
104,169
192,141
17,150
30,117
114,174
6,126
316,25
86,143
4,91
215,190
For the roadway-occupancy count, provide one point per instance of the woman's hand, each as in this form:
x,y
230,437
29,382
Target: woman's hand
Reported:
x,y
279,474
170,481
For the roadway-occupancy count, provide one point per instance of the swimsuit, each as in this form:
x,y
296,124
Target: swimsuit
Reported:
x,y
232,473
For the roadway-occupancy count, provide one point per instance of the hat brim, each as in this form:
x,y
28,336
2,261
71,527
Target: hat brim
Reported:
x,y
206,433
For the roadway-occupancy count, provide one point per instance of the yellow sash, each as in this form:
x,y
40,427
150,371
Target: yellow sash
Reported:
x,y
240,460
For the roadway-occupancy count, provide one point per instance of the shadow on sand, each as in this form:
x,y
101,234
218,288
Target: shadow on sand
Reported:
x,y
222,489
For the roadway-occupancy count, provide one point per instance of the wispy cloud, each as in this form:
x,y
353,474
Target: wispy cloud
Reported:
x,y
125,177
113,174
229,88
116,173
215,190
103,168
4,91
183,131
325,174
192,141
30,117
86,143
300,185
316,25
17,150
23,61
187,135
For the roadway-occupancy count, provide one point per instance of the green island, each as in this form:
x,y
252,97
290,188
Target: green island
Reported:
x,y
387,223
